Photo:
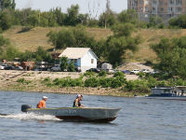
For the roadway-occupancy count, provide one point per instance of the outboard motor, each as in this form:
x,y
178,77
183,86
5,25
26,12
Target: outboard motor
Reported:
x,y
25,107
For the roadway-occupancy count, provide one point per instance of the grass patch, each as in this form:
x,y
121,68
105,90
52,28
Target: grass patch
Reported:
x,y
23,81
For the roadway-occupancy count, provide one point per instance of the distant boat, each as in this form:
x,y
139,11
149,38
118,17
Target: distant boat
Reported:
x,y
168,93
90,114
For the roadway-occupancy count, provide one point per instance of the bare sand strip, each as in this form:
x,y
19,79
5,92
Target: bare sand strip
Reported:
x,y
8,81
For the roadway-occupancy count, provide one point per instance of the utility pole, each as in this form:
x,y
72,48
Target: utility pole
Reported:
x,y
0,4
107,12
108,6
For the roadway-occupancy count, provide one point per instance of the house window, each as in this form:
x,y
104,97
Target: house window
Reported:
x,y
92,61
75,60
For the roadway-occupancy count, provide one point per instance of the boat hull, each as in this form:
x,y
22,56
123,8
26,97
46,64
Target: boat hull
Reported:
x,y
79,114
179,98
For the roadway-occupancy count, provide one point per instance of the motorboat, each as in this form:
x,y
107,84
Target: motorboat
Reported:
x,y
168,93
90,114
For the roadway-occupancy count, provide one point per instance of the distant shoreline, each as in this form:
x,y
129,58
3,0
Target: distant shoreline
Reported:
x,y
75,90
8,81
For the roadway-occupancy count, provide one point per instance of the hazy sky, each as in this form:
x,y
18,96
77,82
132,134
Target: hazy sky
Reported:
x,y
94,7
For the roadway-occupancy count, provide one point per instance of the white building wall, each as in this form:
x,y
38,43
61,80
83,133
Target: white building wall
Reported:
x,y
86,61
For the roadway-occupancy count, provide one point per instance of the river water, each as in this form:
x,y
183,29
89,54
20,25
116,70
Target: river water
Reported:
x,y
139,119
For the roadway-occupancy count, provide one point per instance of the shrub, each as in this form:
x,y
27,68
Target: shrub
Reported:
x,y
58,82
119,74
92,82
162,83
78,81
102,73
117,82
68,82
152,82
72,82
47,81
137,86
141,74
89,74
105,82
180,82
71,67
64,64
23,81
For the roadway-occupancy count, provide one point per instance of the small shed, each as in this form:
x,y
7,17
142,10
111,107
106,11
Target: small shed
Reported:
x,y
83,58
106,66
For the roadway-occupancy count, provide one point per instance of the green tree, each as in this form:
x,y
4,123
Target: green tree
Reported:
x,y
172,56
51,19
72,15
42,55
100,49
43,20
128,16
107,20
33,19
59,16
123,29
82,38
83,19
27,56
3,44
179,21
62,39
3,41
72,37
64,63
71,67
7,4
5,20
93,22
23,15
120,42
156,21
10,53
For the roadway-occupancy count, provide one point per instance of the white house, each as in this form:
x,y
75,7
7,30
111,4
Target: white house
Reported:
x,y
83,58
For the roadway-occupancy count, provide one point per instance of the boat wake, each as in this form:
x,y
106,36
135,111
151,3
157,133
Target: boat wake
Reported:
x,y
30,116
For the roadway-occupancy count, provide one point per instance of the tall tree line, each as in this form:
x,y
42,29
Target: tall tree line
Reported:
x,y
7,4
55,17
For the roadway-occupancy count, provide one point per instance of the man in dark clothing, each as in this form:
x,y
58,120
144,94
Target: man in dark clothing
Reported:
x,y
77,101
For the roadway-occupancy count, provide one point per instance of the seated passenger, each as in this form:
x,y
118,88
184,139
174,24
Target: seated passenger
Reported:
x,y
77,101
42,103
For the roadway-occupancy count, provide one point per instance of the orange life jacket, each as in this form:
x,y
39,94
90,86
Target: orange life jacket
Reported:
x,y
41,104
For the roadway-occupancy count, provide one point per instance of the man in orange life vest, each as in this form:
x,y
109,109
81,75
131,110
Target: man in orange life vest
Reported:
x,y
42,103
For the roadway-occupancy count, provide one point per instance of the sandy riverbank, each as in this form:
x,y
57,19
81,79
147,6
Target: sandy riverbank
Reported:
x,y
8,81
